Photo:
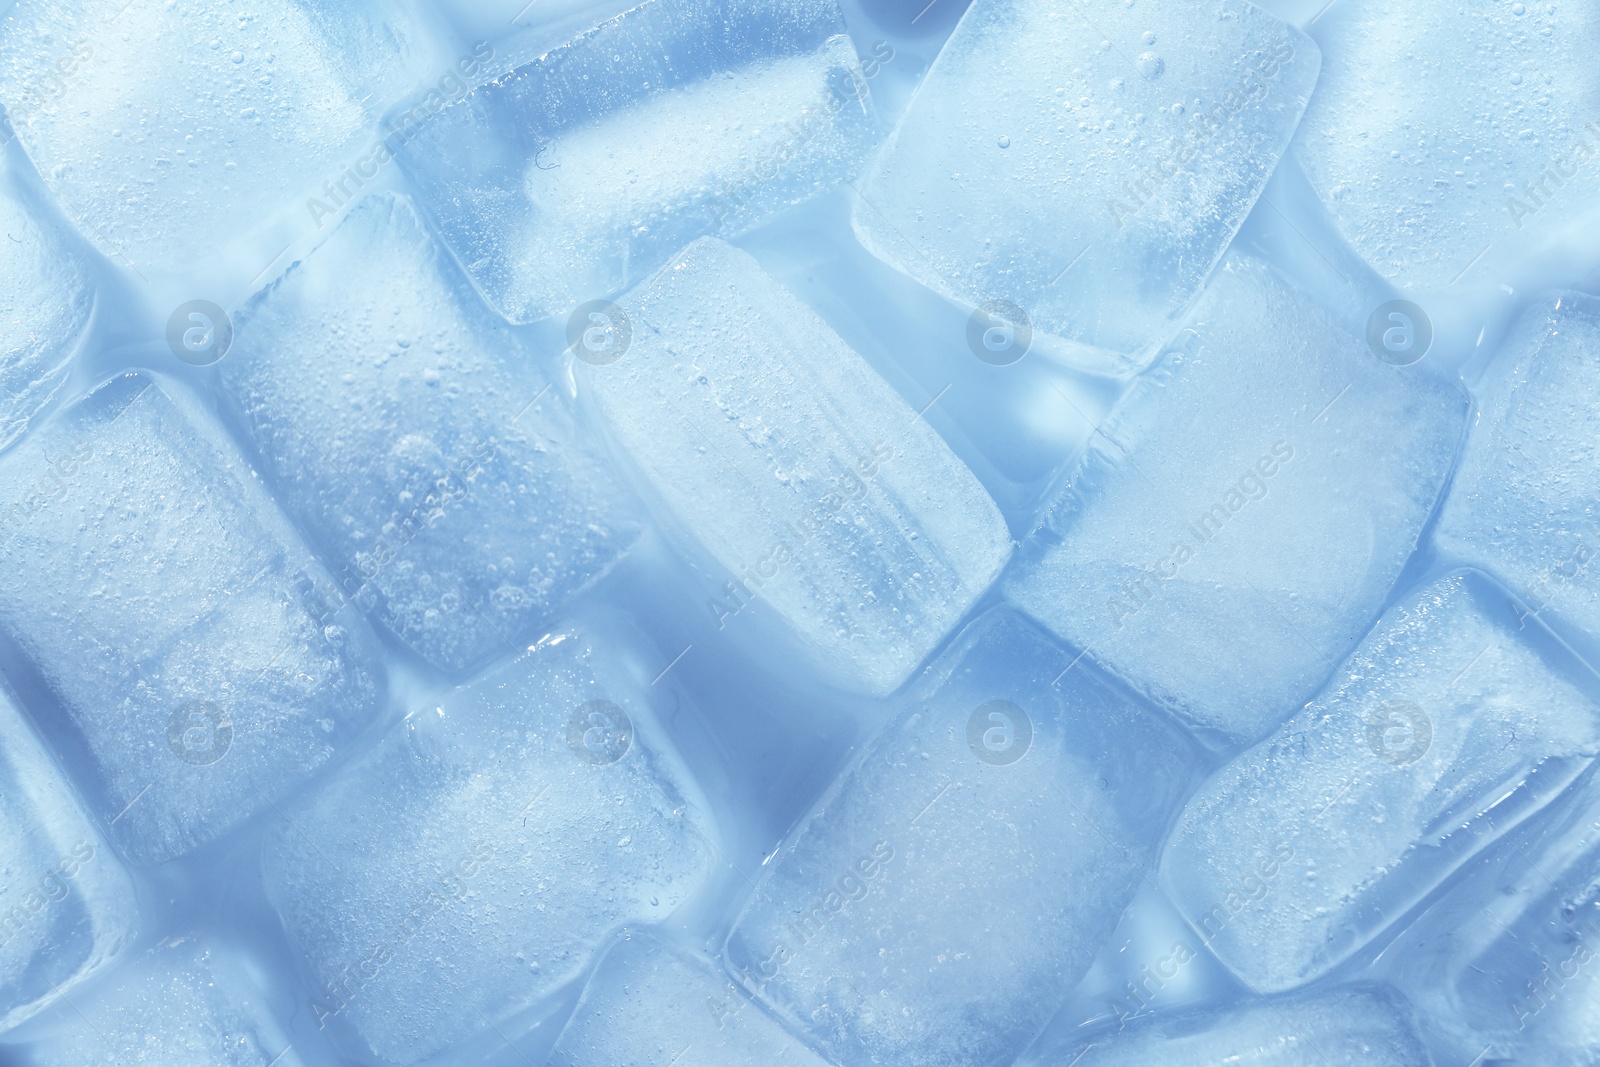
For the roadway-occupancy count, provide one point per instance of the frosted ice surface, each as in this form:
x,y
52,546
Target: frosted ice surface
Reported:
x,y
1439,132
1125,142
1238,522
182,1004
1359,1026
807,479
477,858
246,110
649,1005
45,301
1298,852
198,649
1525,501
414,436
938,904
580,173
66,906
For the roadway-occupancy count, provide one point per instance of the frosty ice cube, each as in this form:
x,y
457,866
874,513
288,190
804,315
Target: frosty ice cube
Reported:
x,y
1349,1026
1087,163
45,302
184,1003
202,657
580,173
650,1003
1441,138
1525,501
166,128
1299,852
66,906
475,860
413,436
811,485
1238,521
943,899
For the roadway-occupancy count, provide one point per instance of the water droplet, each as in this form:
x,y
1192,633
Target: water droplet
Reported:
x,y
1004,142
1516,78
1519,9
1150,65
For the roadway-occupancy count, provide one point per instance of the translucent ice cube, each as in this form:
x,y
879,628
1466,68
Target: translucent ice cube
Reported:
x,y
198,649
1237,523
1442,136
649,1003
166,128
807,479
942,900
1087,163
1525,501
475,860
45,301
182,1004
414,436
1350,1026
1295,855
579,173
66,906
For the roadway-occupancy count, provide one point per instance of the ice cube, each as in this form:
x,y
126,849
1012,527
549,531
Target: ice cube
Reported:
x,y
1298,853
1525,501
1237,524
475,860
66,906
649,1003
201,655
580,173
167,129
1437,134
45,302
415,437
1506,964
1350,1026
942,900
809,482
1087,163
182,1004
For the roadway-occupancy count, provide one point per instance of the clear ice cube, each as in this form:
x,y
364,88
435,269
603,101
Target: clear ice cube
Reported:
x,y
476,859
201,655
1087,163
580,173
1238,521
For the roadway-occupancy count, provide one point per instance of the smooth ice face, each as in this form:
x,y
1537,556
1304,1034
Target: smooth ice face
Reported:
x,y
953,887
476,859
182,1004
580,173
164,125
1087,163
1525,501
194,643
1438,132
414,436
1352,1026
650,1004
66,906
45,302
1238,522
1305,847
813,487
